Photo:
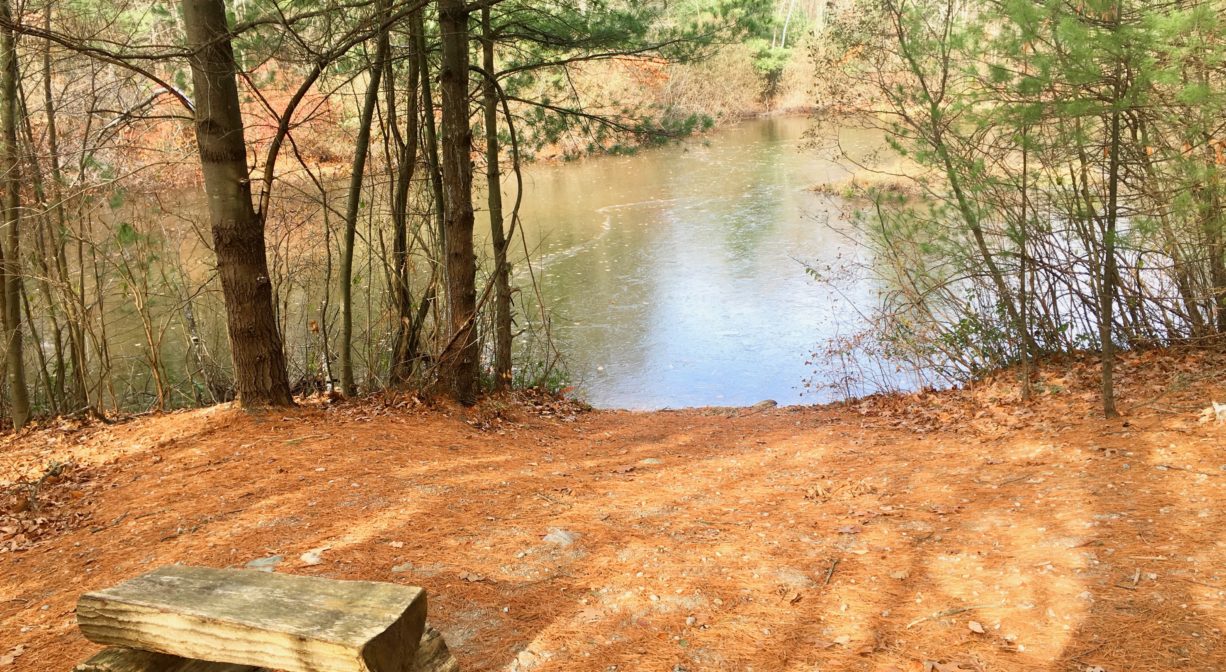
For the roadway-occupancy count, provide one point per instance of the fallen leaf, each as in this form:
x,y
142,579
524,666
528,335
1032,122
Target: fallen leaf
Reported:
x,y
975,627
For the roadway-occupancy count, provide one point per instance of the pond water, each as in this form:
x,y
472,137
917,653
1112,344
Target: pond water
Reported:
x,y
676,276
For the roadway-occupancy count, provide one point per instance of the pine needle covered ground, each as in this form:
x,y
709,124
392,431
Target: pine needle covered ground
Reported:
x,y
953,531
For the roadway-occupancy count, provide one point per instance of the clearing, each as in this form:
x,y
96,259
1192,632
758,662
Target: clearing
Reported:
x,y
955,531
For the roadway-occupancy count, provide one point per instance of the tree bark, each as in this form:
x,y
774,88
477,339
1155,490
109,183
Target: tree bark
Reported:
x,y
459,365
238,232
493,176
362,147
1110,273
10,255
403,347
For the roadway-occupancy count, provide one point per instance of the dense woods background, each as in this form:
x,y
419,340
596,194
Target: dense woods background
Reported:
x,y
205,201
346,150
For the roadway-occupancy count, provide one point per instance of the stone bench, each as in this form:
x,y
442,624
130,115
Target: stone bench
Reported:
x,y
197,619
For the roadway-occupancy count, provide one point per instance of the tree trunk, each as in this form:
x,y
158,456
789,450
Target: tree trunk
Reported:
x,y
78,396
1110,273
10,259
787,21
459,365
403,347
362,147
431,132
238,232
493,176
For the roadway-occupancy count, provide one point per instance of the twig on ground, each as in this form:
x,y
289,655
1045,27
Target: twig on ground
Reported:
x,y
1190,471
946,613
300,439
1015,479
119,519
1136,578
834,562
1200,583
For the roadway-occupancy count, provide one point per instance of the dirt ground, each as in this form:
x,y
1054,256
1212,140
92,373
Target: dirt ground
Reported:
x,y
955,531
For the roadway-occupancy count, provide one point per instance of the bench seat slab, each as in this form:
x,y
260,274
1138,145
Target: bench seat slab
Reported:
x,y
277,621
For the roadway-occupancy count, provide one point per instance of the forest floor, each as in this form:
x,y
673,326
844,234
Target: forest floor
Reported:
x,y
962,530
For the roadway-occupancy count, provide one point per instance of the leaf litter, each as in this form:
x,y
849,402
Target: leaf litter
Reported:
x,y
1008,534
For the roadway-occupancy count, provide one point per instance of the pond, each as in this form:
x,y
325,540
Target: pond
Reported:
x,y
677,276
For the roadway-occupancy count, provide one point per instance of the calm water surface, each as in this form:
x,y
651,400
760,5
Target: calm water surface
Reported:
x,y
675,275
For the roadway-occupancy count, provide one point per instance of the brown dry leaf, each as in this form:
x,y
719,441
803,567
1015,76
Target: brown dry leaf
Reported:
x,y
850,529
975,627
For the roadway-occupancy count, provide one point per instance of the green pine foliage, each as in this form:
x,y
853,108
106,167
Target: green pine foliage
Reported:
x,y
1070,156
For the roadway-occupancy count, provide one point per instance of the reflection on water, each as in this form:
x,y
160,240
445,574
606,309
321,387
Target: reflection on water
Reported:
x,y
675,275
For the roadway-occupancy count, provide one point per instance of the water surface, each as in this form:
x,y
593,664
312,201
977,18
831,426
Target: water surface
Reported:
x,y
675,275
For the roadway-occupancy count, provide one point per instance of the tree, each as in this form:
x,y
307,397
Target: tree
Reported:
x,y
407,324
459,360
10,245
362,147
498,235
238,232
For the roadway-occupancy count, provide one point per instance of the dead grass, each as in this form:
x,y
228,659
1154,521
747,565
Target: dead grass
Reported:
x,y
867,536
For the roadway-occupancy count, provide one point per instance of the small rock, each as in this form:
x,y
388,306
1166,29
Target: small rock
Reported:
x,y
765,404
651,460
266,564
975,627
900,575
396,544
560,537
403,567
314,556
690,621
